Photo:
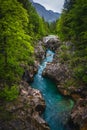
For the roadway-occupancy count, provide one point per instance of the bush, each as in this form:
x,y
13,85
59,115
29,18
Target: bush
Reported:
x,y
80,73
64,53
9,94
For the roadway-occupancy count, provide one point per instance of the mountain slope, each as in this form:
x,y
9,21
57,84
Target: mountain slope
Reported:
x,y
48,15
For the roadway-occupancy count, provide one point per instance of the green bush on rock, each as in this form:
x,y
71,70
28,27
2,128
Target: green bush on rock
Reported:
x,y
9,94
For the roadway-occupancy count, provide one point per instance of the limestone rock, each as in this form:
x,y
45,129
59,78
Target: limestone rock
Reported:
x,y
56,71
24,113
60,73
79,114
51,42
39,51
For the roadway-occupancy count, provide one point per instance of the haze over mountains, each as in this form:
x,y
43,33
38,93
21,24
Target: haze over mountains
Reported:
x,y
48,15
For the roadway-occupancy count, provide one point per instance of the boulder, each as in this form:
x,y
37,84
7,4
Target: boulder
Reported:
x,y
39,51
57,72
51,42
60,72
24,113
79,114
30,71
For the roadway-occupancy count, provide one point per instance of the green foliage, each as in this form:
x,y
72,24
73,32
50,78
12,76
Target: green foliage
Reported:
x,y
70,83
52,27
72,26
9,94
80,73
64,54
5,115
20,25
37,27
15,43
68,4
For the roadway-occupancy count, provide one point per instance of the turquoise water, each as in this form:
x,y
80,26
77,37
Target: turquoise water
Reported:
x,y
57,107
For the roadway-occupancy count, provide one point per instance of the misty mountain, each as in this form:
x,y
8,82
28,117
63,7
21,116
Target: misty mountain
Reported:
x,y
48,15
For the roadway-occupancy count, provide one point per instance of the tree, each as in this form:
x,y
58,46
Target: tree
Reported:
x,y
72,26
68,4
15,46
36,25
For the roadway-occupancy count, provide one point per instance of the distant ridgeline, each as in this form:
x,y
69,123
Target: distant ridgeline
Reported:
x,y
48,15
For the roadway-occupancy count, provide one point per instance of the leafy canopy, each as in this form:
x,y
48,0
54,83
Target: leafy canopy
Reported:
x,y
72,26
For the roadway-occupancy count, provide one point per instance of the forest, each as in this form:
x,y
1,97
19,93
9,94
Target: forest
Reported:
x,y
72,26
21,28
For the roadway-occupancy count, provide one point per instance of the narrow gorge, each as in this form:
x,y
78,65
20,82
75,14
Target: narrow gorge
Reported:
x,y
43,102
43,65
60,113
57,107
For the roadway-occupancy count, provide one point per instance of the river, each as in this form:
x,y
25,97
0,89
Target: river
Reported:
x,y
57,106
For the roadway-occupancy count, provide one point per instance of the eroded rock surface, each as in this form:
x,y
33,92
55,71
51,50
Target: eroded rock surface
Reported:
x,y
24,113
51,42
40,51
30,71
79,114
56,71
60,73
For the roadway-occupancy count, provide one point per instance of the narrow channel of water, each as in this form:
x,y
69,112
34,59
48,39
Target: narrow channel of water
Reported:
x,y
57,107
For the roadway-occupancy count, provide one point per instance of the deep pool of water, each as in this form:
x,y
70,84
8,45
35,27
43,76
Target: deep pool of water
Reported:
x,y
57,107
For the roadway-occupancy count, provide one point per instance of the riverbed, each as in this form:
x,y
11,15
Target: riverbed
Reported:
x,y
58,107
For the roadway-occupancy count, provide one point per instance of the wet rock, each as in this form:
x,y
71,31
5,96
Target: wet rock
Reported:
x,y
28,76
51,42
57,72
30,71
60,72
24,113
63,91
39,51
79,114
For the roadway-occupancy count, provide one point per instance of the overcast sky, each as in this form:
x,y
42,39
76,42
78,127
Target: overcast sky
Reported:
x,y
55,5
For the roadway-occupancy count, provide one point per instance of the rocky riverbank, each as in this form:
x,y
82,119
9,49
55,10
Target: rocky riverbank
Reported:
x,y
24,113
39,54
60,72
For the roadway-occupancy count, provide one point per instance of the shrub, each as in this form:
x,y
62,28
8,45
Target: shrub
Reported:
x,y
9,94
